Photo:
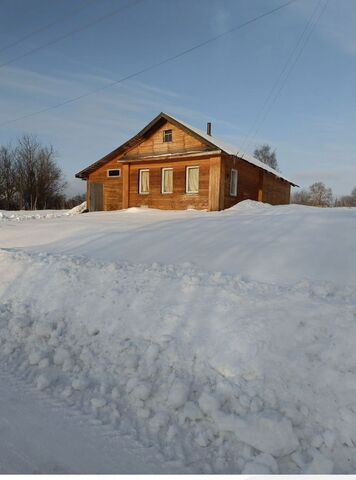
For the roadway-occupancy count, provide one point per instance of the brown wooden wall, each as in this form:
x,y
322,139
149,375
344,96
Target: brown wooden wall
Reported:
x,y
253,183
112,186
179,199
275,190
154,145
247,183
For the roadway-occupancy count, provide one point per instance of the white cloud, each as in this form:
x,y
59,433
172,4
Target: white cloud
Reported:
x,y
85,130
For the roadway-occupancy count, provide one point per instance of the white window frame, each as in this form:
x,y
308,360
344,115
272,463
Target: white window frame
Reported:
x,y
186,179
233,194
140,181
114,176
162,181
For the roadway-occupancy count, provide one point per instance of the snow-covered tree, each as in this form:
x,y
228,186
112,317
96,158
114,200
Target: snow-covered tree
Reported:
x,y
320,195
317,195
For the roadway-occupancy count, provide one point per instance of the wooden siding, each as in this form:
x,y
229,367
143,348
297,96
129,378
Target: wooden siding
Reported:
x,y
275,190
247,181
179,199
253,183
154,145
112,186
215,183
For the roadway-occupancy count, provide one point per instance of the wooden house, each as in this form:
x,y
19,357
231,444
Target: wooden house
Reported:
x,y
172,165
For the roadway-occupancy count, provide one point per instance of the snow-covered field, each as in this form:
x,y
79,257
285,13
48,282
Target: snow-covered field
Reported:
x,y
222,341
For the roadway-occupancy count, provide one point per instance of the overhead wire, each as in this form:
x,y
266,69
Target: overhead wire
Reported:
x,y
72,32
153,65
48,25
287,70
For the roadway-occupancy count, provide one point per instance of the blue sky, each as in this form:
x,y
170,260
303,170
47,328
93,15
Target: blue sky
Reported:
x,y
311,123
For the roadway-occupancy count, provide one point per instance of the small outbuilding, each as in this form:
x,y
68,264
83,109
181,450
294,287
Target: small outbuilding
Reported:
x,y
172,165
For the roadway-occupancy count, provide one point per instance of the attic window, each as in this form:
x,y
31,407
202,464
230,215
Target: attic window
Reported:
x,y
114,172
167,135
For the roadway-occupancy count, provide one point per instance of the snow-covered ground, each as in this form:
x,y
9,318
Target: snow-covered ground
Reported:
x,y
21,215
223,340
39,435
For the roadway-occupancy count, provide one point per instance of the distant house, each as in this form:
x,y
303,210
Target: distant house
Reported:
x,y
171,165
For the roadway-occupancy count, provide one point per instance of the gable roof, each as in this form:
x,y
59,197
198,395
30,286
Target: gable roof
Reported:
x,y
208,139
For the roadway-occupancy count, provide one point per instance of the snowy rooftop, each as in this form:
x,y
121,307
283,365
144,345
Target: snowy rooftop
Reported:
x,y
231,149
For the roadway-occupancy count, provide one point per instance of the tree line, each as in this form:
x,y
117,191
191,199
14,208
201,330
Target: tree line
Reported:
x,y
317,195
30,178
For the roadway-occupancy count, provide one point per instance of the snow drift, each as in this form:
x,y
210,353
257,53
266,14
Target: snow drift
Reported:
x,y
222,374
21,215
192,353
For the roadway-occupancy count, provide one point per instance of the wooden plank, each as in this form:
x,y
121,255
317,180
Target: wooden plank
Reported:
x,y
275,190
112,186
179,199
260,186
214,184
96,197
125,185
154,145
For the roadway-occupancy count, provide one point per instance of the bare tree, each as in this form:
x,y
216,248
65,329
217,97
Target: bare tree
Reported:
x,y
26,153
39,180
320,195
74,201
353,195
265,154
347,200
317,195
301,197
7,178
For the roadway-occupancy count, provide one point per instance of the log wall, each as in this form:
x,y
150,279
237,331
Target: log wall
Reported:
x,y
112,186
179,199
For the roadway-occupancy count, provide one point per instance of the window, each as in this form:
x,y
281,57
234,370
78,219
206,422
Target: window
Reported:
x,y
233,183
114,172
192,180
167,180
144,182
167,135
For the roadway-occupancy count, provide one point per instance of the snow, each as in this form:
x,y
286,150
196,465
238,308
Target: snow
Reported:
x,y
223,340
38,435
21,215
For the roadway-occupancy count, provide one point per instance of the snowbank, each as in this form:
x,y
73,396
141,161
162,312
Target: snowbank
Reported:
x,y
78,209
21,215
221,373
248,206
282,245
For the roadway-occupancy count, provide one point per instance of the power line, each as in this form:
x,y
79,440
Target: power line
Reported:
x,y
281,73
48,25
154,65
302,42
72,32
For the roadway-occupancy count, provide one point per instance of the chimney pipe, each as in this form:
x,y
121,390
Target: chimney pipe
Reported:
x,y
208,128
